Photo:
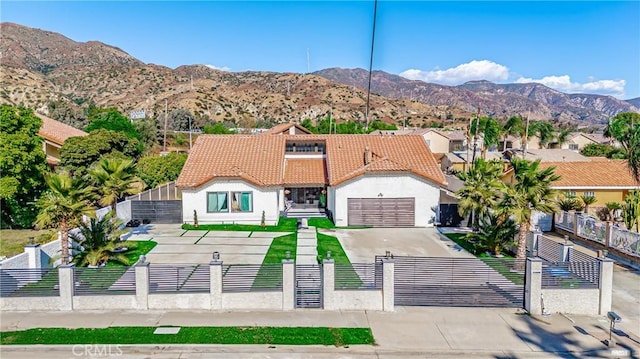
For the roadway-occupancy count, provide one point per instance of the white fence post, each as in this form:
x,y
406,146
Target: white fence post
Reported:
x,y
388,282
34,254
605,285
328,284
288,284
66,285
215,283
142,284
533,286
565,247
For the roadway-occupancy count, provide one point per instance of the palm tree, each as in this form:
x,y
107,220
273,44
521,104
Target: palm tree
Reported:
x,y
531,192
495,233
63,205
625,127
114,178
490,129
99,241
544,131
562,136
482,189
512,127
587,200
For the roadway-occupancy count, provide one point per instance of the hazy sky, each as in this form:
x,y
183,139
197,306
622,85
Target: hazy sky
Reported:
x,y
574,46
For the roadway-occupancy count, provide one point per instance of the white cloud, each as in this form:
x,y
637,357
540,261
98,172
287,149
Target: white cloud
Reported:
x,y
563,83
223,68
474,70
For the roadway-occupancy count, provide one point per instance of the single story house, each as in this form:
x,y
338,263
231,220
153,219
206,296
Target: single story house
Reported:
x,y
287,129
55,133
389,181
438,140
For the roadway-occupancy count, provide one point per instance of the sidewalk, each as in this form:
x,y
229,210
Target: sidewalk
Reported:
x,y
408,332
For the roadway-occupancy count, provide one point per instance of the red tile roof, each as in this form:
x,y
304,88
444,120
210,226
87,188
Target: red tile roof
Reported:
x,y
283,128
304,171
57,132
261,159
593,174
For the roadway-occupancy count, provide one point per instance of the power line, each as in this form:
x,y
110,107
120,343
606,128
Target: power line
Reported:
x,y
373,37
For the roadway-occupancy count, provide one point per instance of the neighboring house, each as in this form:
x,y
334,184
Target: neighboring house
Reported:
x,y
515,142
458,162
545,155
606,180
55,133
287,129
575,142
389,181
439,141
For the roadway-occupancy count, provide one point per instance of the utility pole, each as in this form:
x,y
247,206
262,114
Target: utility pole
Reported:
x,y
526,140
373,37
475,137
166,117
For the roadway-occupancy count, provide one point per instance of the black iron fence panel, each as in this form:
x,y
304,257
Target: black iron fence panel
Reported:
x,y
104,281
308,286
251,277
184,278
361,276
570,275
29,282
463,282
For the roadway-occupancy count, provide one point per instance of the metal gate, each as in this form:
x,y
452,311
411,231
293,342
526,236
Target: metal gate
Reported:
x,y
459,282
308,291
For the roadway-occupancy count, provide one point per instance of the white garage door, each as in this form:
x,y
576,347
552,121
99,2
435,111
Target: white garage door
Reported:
x,y
381,212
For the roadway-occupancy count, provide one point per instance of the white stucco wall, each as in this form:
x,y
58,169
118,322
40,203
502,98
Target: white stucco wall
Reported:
x,y
30,303
252,301
170,301
427,195
572,301
102,302
263,200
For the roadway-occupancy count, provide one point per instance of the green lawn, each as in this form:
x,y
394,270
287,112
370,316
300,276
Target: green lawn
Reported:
x,y
284,225
137,248
331,243
270,273
192,335
501,265
12,241
327,224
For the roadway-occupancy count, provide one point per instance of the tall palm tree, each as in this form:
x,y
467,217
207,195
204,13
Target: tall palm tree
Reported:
x,y
562,136
530,192
490,129
625,127
482,189
513,127
544,130
114,178
63,205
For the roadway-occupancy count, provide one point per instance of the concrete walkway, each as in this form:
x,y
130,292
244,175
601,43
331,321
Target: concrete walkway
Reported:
x,y
307,248
407,332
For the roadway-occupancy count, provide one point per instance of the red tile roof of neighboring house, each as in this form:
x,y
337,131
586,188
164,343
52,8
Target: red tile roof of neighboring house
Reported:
x,y
261,159
593,174
304,171
57,132
281,128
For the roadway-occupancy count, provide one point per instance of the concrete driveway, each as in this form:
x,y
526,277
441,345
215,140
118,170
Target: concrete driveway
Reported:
x,y
178,246
362,245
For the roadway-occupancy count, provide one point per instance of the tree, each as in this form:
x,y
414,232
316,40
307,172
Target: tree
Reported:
x,y
495,234
603,150
22,165
544,130
587,201
562,136
149,132
482,189
569,203
63,205
490,129
156,170
217,129
178,119
513,127
114,121
99,242
113,179
383,126
625,127
531,192
79,153
63,111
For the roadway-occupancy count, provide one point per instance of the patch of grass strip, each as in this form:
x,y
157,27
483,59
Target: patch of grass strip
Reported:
x,y
331,243
138,248
270,273
284,225
192,335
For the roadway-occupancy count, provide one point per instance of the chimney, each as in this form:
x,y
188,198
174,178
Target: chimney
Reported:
x,y
367,155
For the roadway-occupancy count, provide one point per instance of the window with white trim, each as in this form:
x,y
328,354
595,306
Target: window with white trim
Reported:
x,y
570,194
241,201
217,202
573,146
589,194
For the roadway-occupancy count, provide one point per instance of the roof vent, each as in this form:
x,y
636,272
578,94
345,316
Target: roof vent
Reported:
x,y
367,155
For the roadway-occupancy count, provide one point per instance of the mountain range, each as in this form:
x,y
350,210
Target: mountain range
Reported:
x,y
39,67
